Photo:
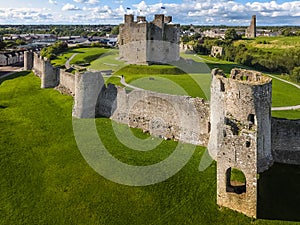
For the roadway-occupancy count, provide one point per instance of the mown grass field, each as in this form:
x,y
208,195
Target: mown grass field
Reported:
x,y
85,55
45,180
272,44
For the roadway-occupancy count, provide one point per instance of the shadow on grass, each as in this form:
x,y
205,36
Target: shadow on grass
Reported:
x,y
190,66
279,193
14,75
225,67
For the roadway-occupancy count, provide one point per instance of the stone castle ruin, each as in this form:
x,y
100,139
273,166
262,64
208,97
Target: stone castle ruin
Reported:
x,y
216,51
143,42
251,30
236,125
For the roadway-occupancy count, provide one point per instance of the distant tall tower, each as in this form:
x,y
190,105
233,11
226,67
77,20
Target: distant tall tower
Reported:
x,y
251,30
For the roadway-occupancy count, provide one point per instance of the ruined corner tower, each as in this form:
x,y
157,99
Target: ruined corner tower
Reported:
x,y
240,137
251,30
142,42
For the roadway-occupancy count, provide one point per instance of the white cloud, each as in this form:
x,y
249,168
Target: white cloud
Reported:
x,y
26,15
69,7
188,11
53,2
91,2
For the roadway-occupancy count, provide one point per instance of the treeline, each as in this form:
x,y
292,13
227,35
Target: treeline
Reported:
x,y
59,30
287,61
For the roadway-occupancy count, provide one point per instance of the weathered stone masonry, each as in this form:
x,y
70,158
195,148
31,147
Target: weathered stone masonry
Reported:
x,y
236,125
240,135
143,42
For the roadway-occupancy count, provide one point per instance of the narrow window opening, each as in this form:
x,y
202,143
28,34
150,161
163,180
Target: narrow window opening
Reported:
x,y
209,127
248,144
251,120
222,86
235,181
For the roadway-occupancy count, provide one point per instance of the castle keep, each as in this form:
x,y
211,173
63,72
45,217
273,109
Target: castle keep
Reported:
x,y
142,42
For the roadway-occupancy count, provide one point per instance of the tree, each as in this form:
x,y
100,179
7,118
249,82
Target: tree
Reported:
x,y
231,34
20,42
287,32
295,75
2,45
115,30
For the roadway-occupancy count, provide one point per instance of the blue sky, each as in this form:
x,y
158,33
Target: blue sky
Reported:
x,y
199,12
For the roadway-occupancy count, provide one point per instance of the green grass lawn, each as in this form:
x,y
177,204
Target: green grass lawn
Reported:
x,y
63,57
85,55
45,180
88,55
272,44
108,61
288,114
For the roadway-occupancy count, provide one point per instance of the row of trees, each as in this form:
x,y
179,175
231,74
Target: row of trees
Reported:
x,y
59,30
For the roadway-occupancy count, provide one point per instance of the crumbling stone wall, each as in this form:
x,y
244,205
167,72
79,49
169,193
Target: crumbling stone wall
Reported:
x,y
50,75
87,90
28,60
286,141
169,116
240,134
216,51
142,42
42,67
67,82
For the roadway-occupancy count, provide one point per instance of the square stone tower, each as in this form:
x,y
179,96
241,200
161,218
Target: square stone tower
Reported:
x,y
142,42
240,137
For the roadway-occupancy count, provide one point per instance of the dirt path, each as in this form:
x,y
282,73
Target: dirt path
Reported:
x,y
5,71
67,64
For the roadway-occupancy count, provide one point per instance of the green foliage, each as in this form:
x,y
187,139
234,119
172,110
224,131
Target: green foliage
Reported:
x,y
231,34
10,44
185,39
2,45
295,74
20,42
52,51
115,30
287,32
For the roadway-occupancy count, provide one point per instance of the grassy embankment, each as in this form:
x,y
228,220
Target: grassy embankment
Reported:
x,y
271,44
85,55
45,180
